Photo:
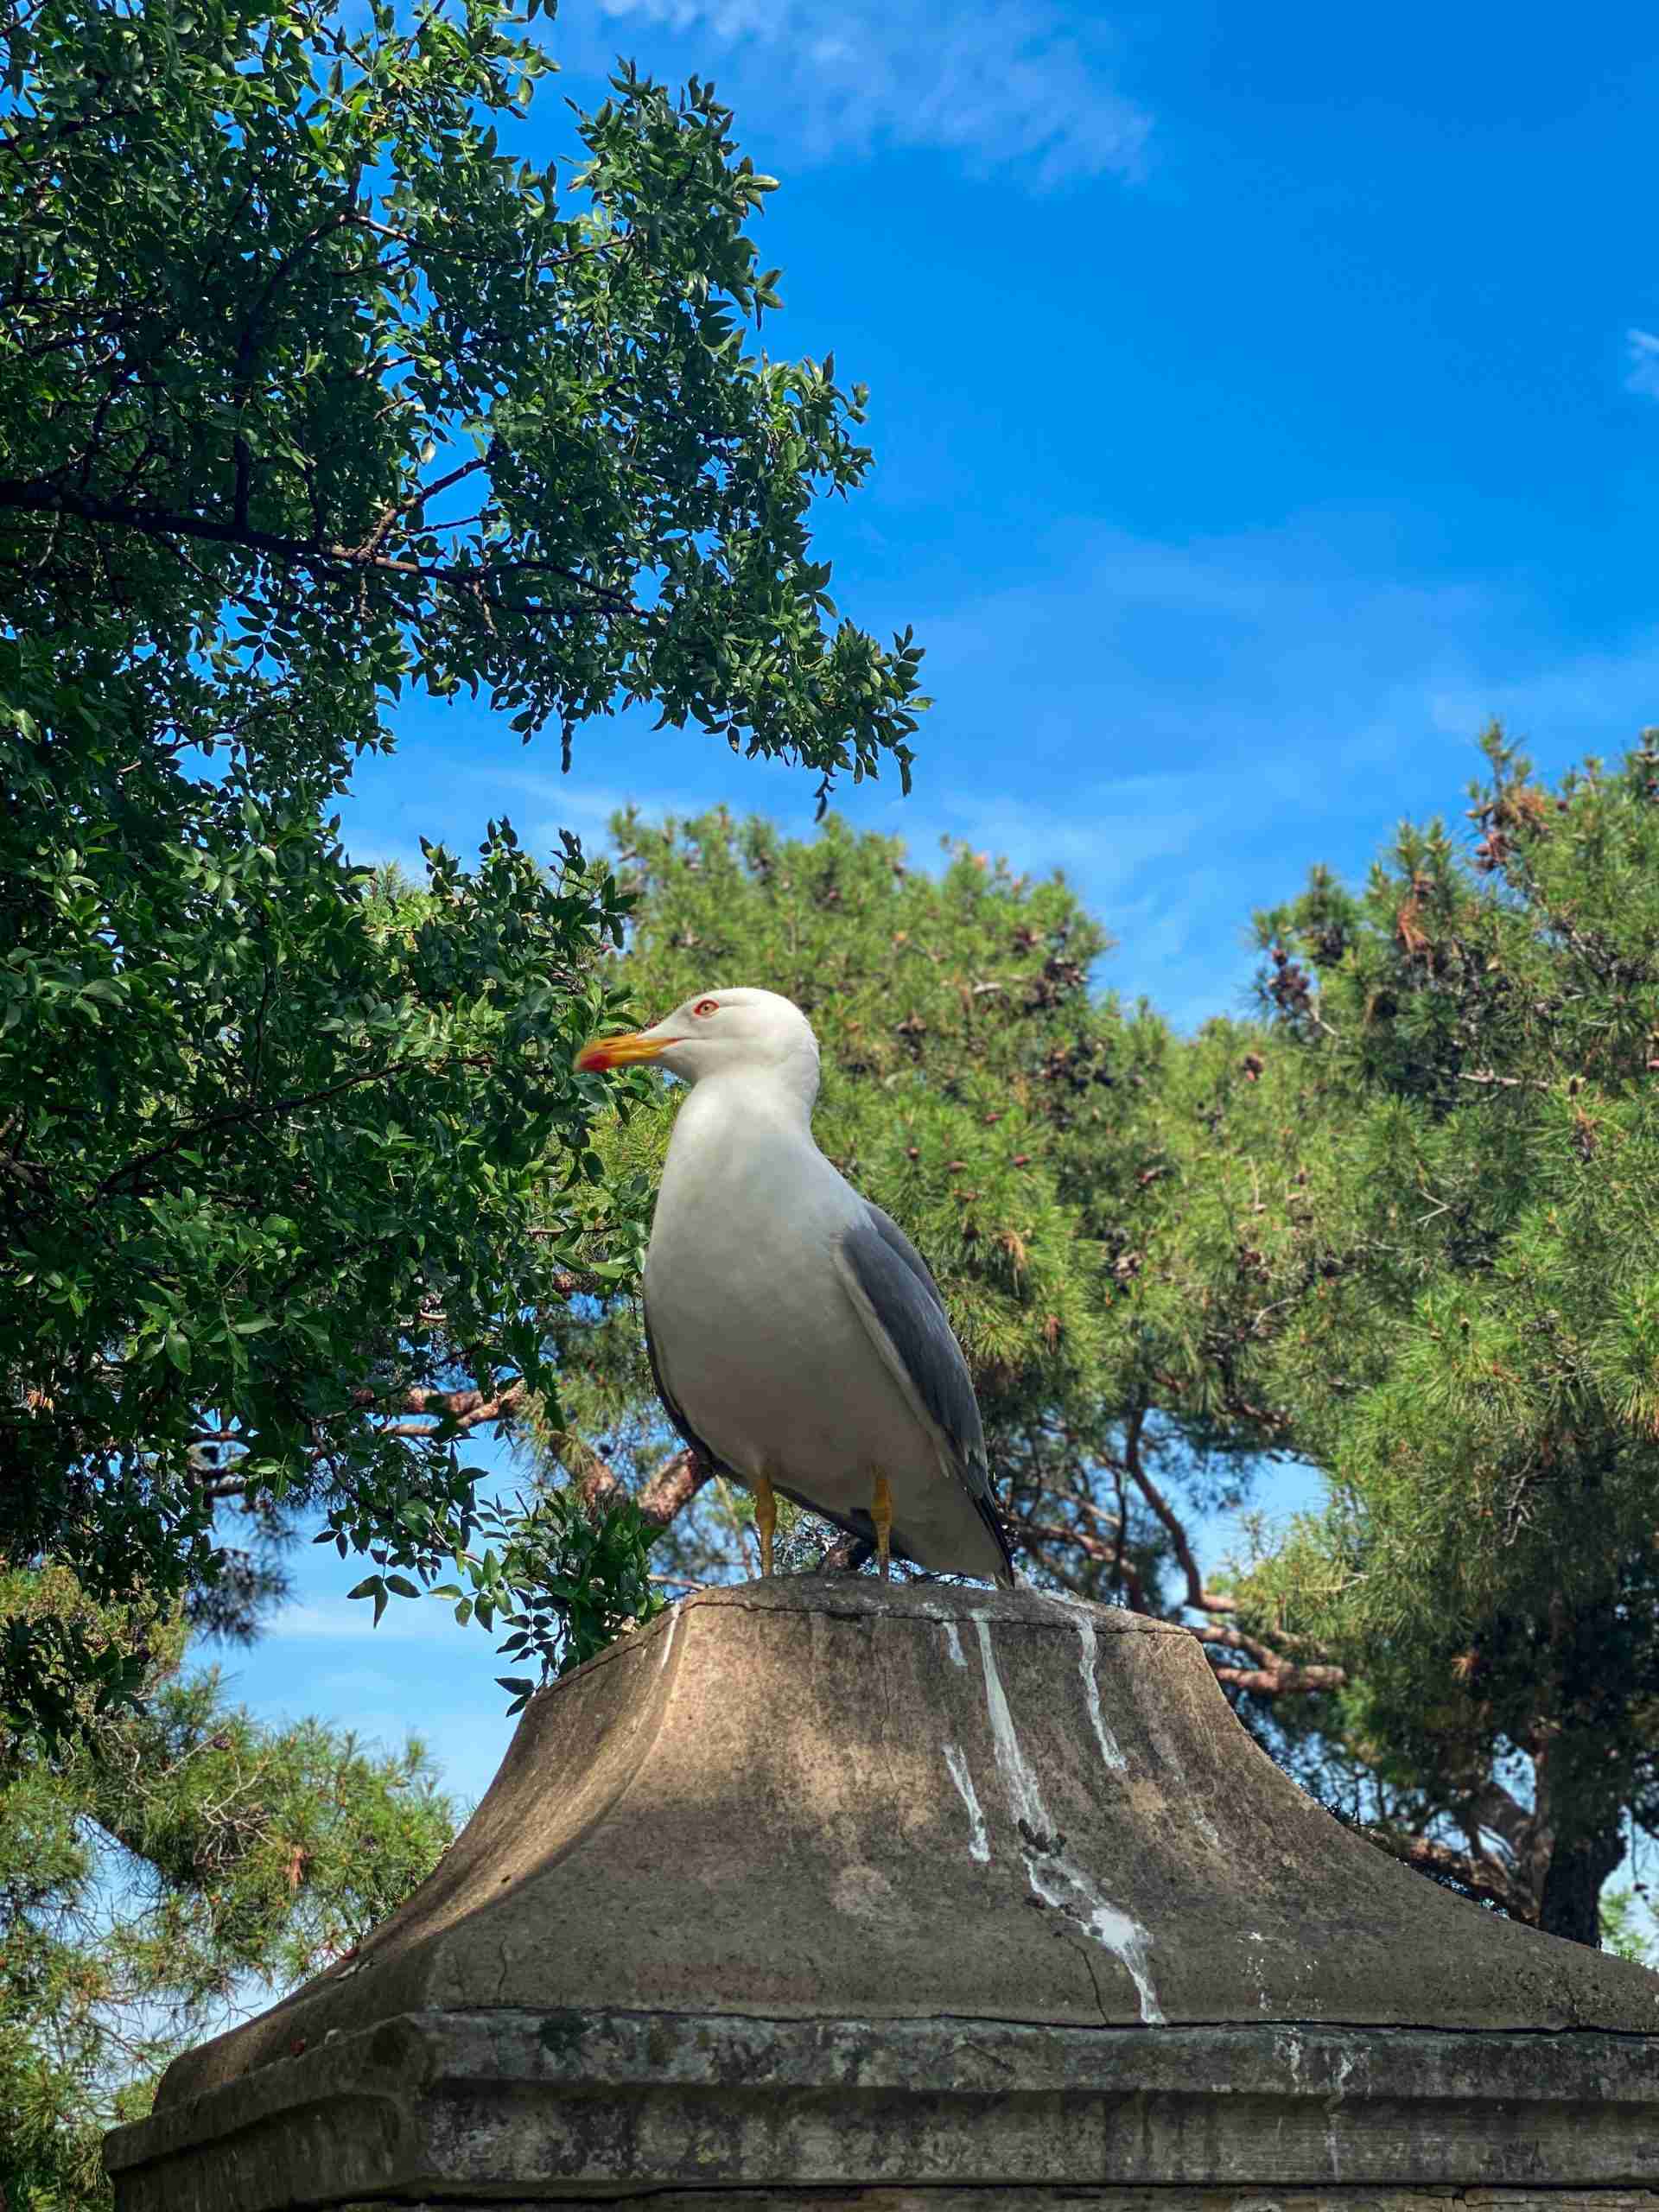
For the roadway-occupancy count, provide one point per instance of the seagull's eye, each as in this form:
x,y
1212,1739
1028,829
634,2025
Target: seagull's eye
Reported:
x,y
707,1006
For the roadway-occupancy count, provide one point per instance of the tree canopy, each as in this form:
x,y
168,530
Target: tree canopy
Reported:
x,y
311,394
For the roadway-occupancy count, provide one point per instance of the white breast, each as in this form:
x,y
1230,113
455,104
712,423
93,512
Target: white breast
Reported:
x,y
758,1341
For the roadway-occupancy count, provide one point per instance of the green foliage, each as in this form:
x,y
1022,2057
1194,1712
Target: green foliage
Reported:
x,y
310,393
277,292
585,1578
569,1576
270,1183
1398,1233
1621,1929
169,1870
1478,1033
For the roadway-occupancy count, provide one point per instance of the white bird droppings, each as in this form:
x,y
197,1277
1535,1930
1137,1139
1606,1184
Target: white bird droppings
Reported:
x,y
1053,1875
1333,2109
952,1640
1088,1650
668,1639
979,1839
1260,1964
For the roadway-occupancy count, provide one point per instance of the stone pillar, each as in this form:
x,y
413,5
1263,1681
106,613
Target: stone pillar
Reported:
x,y
818,1892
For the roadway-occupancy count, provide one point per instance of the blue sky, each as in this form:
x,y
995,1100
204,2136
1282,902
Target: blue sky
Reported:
x,y
1261,399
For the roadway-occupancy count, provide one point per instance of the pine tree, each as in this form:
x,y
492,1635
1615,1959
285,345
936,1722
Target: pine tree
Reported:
x,y
1474,1036
172,1868
1395,1232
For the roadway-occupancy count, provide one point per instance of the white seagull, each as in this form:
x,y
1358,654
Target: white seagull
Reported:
x,y
798,1339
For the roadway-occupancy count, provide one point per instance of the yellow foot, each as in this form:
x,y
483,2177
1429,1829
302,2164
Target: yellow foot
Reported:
x,y
765,1519
881,1514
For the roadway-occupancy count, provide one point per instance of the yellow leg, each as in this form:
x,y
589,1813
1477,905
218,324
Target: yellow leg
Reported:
x,y
765,1519
881,1514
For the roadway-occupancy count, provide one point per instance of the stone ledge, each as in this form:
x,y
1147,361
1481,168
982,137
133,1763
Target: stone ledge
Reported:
x,y
1073,2200
482,2107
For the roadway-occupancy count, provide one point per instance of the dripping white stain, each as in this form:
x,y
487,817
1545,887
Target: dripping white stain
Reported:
x,y
1260,1964
979,1839
952,1639
1346,2061
668,1640
1088,1651
1054,1877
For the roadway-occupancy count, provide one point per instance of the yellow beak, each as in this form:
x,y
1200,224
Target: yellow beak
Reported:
x,y
620,1052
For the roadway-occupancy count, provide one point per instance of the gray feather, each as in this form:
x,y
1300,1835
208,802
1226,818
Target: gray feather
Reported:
x,y
906,1300
896,1241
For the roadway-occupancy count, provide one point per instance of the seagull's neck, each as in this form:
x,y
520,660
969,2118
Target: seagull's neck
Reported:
x,y
760,1102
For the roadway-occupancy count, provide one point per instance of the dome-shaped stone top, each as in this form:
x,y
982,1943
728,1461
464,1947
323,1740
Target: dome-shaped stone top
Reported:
x,y
823,1879
824,1797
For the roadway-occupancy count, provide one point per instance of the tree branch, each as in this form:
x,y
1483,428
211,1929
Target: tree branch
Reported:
x,y
1279,1679
1505,1816
1107,1555
418,498
466,1409
1201,1600
43,498
668,1492
1481,1877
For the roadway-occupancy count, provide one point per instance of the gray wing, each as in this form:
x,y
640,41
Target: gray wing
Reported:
x,y
906,1300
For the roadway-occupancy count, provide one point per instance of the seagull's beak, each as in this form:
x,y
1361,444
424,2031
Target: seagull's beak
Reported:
x,y
622,1052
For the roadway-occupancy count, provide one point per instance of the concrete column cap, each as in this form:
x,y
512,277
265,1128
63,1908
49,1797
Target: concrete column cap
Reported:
x,y
826,1800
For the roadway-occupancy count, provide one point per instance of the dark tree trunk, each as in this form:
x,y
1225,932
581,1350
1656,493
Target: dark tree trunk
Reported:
x,y
1582,1765
1570,1903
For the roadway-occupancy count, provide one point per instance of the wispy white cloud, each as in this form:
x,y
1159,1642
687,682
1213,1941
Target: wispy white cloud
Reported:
x,y
1642,363
1183,727
1304,699
1001,84
1110,831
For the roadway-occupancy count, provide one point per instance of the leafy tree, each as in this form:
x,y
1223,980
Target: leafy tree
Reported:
x,y
311,393
168,1872
1475,1036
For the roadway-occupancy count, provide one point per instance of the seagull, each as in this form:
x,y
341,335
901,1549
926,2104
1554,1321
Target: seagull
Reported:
x,y
797,1340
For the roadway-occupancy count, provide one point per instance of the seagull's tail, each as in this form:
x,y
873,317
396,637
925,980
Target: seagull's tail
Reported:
x,y
993,1520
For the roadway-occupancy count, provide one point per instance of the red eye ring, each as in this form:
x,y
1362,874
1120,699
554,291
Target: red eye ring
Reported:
x,y
707,1006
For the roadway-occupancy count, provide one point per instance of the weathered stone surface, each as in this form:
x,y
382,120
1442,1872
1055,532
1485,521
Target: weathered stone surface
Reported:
x,y
1093,2200
477,2105
821,1884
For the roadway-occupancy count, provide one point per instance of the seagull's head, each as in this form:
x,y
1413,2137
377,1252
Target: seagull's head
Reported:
x,y
715,1031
